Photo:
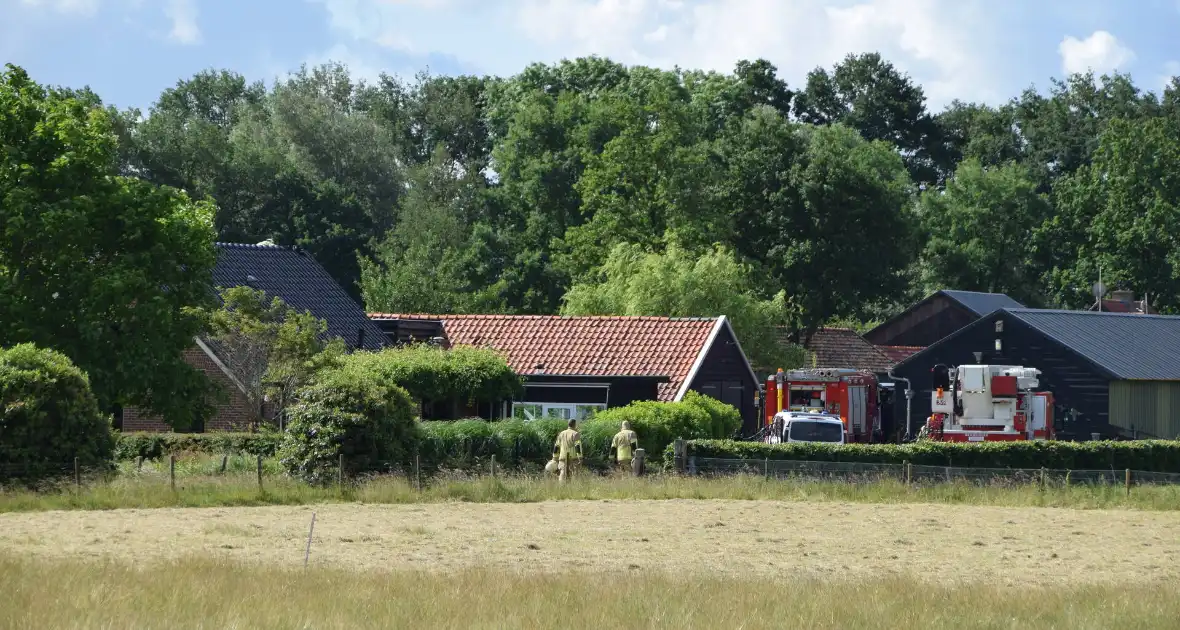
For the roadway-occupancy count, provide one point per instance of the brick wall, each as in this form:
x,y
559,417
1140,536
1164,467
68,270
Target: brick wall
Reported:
x,y
233,415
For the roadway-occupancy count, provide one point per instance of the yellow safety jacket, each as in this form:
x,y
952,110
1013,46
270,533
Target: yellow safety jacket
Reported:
x,y
568,445
623,444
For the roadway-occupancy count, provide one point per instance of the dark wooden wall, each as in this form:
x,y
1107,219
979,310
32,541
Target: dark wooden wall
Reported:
x,y
924,324
725,375
1074,382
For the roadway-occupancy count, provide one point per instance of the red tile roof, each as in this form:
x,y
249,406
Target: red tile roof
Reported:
x,y
844,348
599,346
897,354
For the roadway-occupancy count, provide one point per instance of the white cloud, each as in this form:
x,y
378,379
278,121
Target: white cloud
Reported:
x,y
949,46
183,14
1101,52
68,7
1171,71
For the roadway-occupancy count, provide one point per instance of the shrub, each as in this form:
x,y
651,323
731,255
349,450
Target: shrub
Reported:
x,y
469,444
156,445
430,373
349,412
48,416
659,423
1145,455
726,419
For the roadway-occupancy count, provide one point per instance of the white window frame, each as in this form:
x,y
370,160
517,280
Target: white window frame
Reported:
x,y
573,410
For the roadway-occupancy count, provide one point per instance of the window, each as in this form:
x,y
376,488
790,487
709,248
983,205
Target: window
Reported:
x,y
529,411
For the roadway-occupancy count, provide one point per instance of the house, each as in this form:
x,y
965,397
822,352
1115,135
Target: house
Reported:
x,y
295,277
932,319
1111,374
573,366
1124,302
844,348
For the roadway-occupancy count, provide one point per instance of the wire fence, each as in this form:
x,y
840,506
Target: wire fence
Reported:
x,y
859,472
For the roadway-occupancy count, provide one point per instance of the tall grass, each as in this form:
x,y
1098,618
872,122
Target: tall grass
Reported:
x,y
200,484
202,593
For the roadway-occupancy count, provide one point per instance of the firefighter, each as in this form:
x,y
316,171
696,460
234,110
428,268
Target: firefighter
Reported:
x,y
567,450
624,444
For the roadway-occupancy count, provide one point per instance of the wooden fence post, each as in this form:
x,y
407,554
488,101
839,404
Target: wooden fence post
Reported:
x,y
172,470
224,461
259,468
1042,477
417,473
77,474
1128,482
493,465
340,472
766,468
680,454
909,472
637,462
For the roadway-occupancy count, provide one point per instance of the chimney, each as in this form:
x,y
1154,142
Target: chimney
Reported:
x,y
1124,296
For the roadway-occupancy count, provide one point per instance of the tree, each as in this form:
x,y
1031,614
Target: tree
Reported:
x,y
113,272
49,418
868,94
973,131
678,283
1121,216
981,232
270,347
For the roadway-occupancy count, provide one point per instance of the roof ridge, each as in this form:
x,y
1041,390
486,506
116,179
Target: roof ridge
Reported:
x,y
247,245
1064,311
489,316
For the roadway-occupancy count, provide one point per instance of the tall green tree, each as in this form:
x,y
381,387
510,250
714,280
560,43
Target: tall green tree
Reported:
x,y
680,283
981,232
1120,216
113,272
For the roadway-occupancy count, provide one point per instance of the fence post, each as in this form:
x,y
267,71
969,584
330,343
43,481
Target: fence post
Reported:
x,y
493,465
1128,482
340,472
948,474
680,452
909,472
172,470
78,474
637,462
692,464
766,468
139,463
1042,477
224,461
260,473
1067,475
417,473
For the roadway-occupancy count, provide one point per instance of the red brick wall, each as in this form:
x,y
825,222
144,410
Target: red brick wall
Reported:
x,y
233,415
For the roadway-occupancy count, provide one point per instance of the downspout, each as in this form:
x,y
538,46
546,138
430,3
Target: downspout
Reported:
x,y
909,395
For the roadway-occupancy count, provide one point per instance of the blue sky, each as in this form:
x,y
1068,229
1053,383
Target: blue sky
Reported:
x,y
980,50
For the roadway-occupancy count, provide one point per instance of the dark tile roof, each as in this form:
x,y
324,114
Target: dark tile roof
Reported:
x,y
844,348
981,303
897,354
583,346
300,281
1128,346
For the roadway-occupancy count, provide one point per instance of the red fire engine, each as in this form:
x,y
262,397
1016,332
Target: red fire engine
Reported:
x,y
980,403
849,394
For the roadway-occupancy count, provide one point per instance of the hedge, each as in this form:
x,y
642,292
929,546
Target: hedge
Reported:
x,y
429,373
1145,455
157,445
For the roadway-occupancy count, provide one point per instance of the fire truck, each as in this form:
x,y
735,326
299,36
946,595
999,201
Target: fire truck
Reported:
x,y
850,395
980,403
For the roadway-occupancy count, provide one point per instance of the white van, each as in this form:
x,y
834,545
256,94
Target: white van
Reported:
x,y
808,427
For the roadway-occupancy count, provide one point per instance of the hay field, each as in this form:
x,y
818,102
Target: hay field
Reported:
x,y
1016,547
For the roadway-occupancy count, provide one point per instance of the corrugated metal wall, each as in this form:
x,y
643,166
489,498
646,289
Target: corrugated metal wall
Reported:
x,y
1150,407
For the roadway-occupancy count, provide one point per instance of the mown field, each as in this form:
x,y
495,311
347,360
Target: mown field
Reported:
x,y
613,563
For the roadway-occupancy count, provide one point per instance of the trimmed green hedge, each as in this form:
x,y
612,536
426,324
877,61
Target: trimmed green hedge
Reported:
x,y
156,445
1145,455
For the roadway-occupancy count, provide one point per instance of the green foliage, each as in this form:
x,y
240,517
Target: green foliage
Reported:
x,y
469,445
429,373
266,342
129,446
111,271
48,416
1145,455
679,283
353,413
982,232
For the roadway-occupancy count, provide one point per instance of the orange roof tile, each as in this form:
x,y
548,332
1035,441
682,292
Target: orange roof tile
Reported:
x,y
590,346
897,354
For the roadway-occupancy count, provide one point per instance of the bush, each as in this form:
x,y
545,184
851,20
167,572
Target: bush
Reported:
x,y
430,373
726,419
349,412
658,424
156,445
1145,455
468,445
49,416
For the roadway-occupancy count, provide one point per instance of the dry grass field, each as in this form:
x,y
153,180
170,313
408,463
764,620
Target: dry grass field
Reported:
x,y
592,564
1002,546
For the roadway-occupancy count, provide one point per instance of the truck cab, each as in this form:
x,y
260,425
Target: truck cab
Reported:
x,y
808,426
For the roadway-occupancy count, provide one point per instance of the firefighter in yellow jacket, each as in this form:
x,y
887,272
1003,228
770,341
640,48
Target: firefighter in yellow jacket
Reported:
x,y
624,444
567,450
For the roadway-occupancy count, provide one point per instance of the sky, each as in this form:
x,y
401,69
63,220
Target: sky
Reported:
x,y
128,51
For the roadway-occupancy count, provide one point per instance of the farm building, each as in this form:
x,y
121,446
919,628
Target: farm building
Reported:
x,y
573,366
844,348
291,275
1113,374
935,317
